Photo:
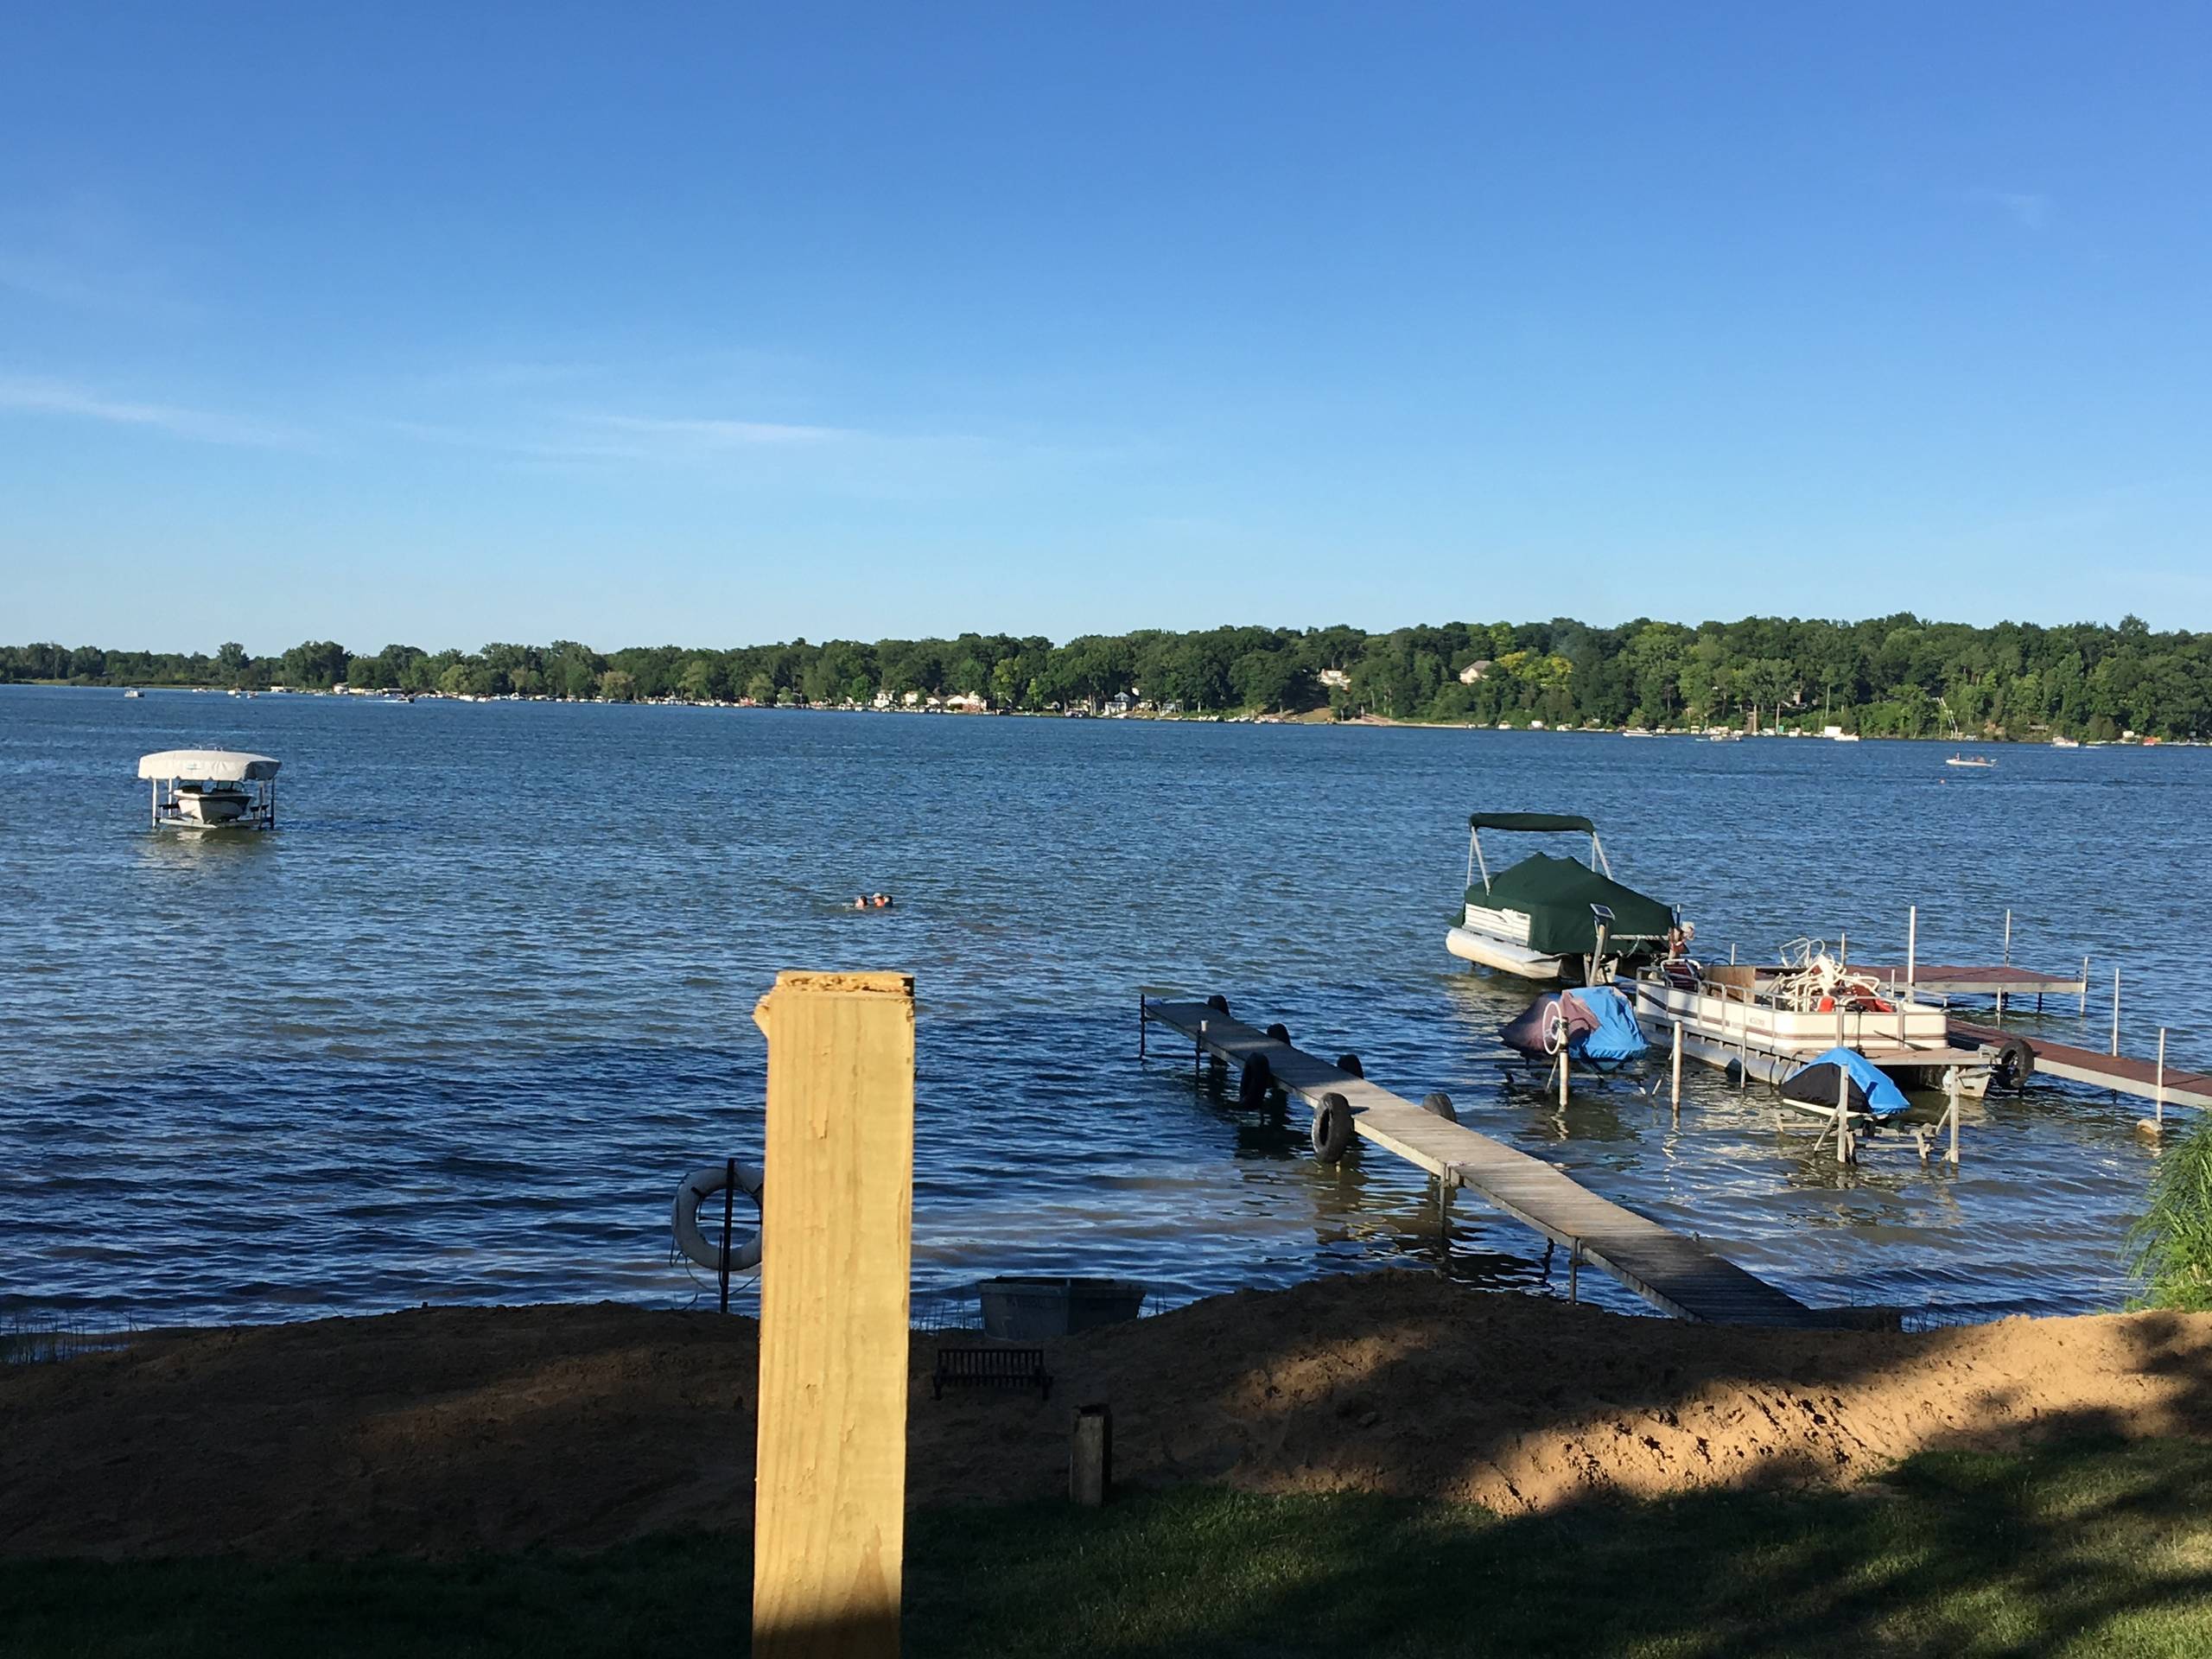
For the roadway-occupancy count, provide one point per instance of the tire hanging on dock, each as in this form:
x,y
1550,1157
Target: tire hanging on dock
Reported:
x,y
697,1188
2014,1065
1350,1063
1439,1104
1332,1130
1279,1031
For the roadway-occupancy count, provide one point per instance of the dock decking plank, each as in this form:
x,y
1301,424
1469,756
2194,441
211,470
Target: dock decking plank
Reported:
x,y
1971,980
1678,1275
2122,1072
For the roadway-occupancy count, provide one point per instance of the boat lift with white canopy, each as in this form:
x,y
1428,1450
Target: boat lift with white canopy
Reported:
x,y
211,789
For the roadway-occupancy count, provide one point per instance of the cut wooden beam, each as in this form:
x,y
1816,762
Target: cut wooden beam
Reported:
x,y
836,1243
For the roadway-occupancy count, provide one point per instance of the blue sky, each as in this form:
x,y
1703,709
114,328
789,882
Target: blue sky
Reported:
x,y
446,323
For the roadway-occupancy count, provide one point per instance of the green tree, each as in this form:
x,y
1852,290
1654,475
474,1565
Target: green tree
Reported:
x,y
697,682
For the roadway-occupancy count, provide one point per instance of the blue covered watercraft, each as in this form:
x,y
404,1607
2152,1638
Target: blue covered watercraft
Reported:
x,y
1822,1081
1596,1025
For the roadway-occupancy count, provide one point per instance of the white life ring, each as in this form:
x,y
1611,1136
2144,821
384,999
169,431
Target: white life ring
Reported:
x,y
700,1185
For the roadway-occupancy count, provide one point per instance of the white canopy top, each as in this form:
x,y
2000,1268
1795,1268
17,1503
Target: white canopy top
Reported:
x,y
209,765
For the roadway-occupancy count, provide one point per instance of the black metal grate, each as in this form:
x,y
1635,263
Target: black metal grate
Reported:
x,y
1002,1368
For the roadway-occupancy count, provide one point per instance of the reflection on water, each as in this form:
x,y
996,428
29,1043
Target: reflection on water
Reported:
x,y
455,1032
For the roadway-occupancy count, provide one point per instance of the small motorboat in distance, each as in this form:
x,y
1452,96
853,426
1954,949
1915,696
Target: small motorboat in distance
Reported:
x,y
1969,761
1554,919
211,789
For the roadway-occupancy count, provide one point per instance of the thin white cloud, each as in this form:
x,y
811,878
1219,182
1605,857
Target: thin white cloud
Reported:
x,y
596,436
715,434
64,398
43,279
510,376
2028,209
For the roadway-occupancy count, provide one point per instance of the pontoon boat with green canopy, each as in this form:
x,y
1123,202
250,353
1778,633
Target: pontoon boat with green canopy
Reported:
x,y
1542,919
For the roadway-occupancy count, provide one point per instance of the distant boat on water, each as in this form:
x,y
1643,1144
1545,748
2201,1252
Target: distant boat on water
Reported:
x,y
2065,743
1969,761
134,692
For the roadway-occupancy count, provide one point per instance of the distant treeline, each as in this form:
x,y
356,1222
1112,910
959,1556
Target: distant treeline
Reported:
x,y
1894,676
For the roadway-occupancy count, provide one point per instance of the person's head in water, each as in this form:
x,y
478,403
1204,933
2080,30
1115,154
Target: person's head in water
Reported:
x,y
861,903
883,901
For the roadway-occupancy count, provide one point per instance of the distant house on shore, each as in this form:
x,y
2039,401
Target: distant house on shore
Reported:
x,y
1334,678
1475,671
967,702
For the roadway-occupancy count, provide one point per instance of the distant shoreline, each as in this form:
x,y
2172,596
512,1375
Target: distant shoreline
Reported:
x,y
1239,717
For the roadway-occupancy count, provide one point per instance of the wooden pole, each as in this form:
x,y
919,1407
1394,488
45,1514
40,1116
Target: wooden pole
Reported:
x,y
2085,985
1678,1068
837,1216
1911,945
2115,1011
1090,1456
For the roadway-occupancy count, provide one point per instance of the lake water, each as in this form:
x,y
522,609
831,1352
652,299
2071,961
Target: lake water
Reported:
x,y
455,1032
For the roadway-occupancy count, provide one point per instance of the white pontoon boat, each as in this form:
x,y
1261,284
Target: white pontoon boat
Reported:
x,y
1770,1020
1554,919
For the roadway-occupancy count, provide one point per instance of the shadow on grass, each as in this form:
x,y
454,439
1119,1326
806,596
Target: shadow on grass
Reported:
x,y
2089,1548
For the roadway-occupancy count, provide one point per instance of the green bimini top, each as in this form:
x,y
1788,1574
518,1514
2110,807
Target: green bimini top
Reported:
x,y
1556,893
1530,820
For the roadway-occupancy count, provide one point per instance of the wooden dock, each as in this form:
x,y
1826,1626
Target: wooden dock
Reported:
x,y
2119,1072
1678,1275
1994,980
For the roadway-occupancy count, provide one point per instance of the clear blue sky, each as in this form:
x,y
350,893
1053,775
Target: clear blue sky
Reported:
x,y
445,323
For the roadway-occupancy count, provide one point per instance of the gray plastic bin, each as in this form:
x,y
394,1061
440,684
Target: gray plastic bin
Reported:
x,y
1025,1309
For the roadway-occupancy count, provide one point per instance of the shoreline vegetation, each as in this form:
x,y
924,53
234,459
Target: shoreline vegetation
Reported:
x,y
1891,676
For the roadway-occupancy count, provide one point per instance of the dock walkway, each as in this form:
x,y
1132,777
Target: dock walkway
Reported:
x,y
1994,980
1676,1274
2119,1072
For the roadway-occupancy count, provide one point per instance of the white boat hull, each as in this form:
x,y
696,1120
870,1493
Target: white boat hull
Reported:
x,y
1491,952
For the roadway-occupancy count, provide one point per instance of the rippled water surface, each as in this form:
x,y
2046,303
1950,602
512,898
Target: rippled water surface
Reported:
x,y
454,1032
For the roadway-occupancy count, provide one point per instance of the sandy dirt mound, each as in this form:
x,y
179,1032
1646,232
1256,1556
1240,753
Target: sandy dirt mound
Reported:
x,y
452,1429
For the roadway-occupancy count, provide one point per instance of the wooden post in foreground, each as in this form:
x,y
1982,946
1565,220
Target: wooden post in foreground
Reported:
x,y
836,1221
1090,1456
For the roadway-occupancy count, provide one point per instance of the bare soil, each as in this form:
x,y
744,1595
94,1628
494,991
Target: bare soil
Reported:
x,y
448,1430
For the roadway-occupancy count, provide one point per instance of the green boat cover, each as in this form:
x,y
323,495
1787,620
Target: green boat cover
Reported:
x,y
1556,894
1530,820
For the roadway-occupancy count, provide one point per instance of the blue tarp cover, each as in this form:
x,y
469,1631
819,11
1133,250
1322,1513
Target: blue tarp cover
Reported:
x,y
1600,1025
1816,1083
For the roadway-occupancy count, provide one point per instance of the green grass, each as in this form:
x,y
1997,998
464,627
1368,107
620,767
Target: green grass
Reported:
x,y
2084,1549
